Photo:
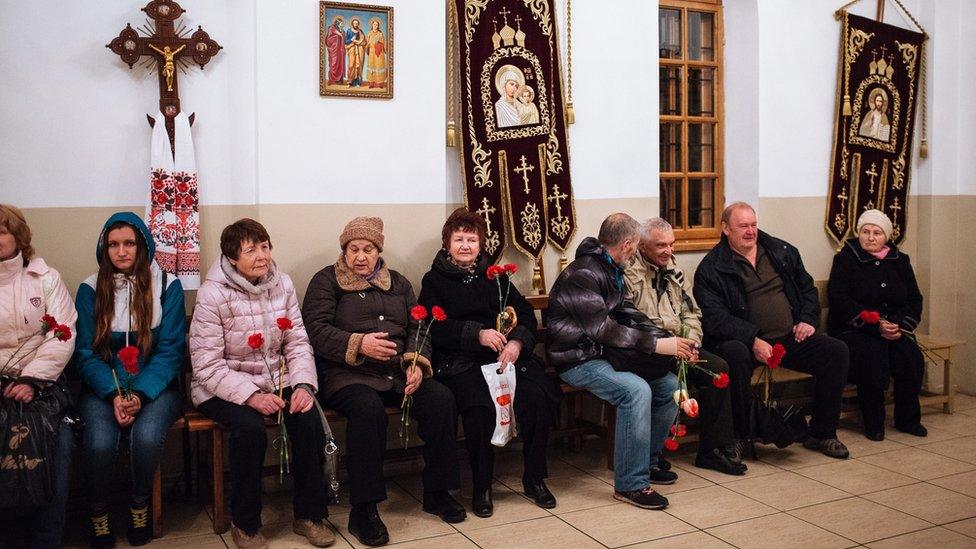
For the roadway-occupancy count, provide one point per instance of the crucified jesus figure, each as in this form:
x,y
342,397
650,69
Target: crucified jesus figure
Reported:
x,y
169,68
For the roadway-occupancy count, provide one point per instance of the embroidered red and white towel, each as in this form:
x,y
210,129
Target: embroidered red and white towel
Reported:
x,y
173,211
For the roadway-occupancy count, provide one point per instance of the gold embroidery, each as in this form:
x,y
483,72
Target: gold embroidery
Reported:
x,y
909,54
531,227
488,105
540,12
898,172
524,167
560,223
491,237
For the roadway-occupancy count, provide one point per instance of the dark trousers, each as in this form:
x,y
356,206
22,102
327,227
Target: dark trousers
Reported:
x,y
364,408
533,415
42,526
248,444
874,361
819,355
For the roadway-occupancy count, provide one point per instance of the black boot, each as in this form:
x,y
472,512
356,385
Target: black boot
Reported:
x,y
102,536
441,503
365,524
538,492
717,460
481,504
140,524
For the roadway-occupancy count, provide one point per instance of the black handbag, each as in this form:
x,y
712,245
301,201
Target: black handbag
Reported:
x,y
769,424
29,438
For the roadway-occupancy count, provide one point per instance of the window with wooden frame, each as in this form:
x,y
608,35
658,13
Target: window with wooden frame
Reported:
x,y
691,120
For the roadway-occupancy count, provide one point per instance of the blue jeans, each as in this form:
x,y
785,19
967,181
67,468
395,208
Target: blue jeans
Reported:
x,y
44,525
645,412
100,443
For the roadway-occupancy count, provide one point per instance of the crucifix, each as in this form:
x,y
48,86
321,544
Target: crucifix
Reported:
x,y
524,168
843,199
504,13
485,211
556,198
873,173
895,208
518,21
167,47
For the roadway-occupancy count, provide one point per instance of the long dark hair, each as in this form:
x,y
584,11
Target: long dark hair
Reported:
x,y
141,307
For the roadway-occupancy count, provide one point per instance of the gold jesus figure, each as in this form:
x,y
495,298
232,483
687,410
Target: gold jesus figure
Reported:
x,y
168,67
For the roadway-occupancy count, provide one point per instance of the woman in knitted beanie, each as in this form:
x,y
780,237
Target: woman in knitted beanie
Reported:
x,y
357,313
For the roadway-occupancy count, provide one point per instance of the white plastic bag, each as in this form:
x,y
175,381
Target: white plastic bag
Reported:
x,y
501,387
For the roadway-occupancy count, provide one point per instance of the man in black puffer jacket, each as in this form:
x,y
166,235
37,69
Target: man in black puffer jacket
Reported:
x,y
581,329
754,293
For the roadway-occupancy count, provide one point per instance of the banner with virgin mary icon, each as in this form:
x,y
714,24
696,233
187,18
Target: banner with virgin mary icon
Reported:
x,y
877,95
504,63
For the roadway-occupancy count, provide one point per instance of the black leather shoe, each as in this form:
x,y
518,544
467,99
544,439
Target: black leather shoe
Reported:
x,y
443,505
481,504
918,430
365,524
663,464
538,492
718,461
876,436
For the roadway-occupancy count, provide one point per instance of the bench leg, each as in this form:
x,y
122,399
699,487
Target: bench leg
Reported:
x,y
948,387
157,503
220,522
611,433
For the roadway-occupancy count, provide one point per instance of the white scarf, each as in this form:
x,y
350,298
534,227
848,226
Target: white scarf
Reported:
x,y
173,211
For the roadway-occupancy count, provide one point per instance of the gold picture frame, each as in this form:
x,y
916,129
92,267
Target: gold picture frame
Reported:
x,y
355,50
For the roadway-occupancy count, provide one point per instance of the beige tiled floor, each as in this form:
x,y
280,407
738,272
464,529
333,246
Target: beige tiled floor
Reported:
x,y
902,492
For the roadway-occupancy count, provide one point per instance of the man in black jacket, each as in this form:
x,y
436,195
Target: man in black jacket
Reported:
x,y
581,329
754,293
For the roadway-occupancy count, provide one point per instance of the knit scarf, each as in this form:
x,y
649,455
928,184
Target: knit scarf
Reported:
x,y
173,212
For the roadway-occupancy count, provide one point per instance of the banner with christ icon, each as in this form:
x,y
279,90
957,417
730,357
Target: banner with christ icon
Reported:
x,y
877,96
504,66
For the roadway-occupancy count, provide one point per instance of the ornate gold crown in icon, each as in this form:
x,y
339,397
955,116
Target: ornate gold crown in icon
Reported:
x,y
507,36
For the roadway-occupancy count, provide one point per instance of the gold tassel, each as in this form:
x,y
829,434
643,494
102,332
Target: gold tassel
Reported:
x,y
451,135
537,285
847,106
923,149
563,263
570,115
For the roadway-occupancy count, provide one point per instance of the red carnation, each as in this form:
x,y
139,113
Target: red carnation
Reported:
x,y
129,356
284,323
511,268
494,271
776,356
871,317
679,430
438,313
62,332
418,312
48,323
690,407
721,381
255,340
671,444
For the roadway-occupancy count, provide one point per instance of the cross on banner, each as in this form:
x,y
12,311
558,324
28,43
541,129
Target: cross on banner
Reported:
x,y
167,47
523,169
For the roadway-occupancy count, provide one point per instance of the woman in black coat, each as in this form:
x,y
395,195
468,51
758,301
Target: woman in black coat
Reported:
x,y
870,274
468,339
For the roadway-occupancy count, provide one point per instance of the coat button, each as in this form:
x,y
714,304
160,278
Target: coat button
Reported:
x,y
877,263
381,317
883,285
389,377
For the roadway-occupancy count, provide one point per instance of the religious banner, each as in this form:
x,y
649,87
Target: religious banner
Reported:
x,y
514,151
877,95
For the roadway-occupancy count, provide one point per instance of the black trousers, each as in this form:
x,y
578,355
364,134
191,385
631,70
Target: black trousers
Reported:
x,y
248,444
874,361
533,415
364,408
819,355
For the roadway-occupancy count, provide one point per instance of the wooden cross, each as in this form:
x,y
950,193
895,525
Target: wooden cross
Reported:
x,y
524,168
872,173
556,198
504,13
485,211
167,47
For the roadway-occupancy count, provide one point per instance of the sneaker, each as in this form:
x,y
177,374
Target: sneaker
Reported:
x,y
365,524
243,540
660,476
140,524
102,536
315,531
918,430
441,503
829,447
645,499
718,461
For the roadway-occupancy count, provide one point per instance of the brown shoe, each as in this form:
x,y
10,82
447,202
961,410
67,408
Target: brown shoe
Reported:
x,y
243,540
317,533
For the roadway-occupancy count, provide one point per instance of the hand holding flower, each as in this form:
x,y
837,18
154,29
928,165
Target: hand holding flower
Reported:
x,y
493,339
414,377
119,409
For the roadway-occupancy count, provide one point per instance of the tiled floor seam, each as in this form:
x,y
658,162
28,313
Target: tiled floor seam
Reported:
x,y
598,542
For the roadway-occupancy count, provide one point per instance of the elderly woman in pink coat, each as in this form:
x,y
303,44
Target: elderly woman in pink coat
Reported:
x,y
246,317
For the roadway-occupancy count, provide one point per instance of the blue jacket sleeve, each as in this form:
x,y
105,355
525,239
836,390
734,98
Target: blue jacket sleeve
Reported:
x,y
93,370
170,344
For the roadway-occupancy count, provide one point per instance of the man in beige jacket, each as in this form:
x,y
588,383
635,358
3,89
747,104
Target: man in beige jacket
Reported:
x,y
660,290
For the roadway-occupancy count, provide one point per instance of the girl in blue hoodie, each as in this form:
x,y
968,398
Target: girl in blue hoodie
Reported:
x,y
130,308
